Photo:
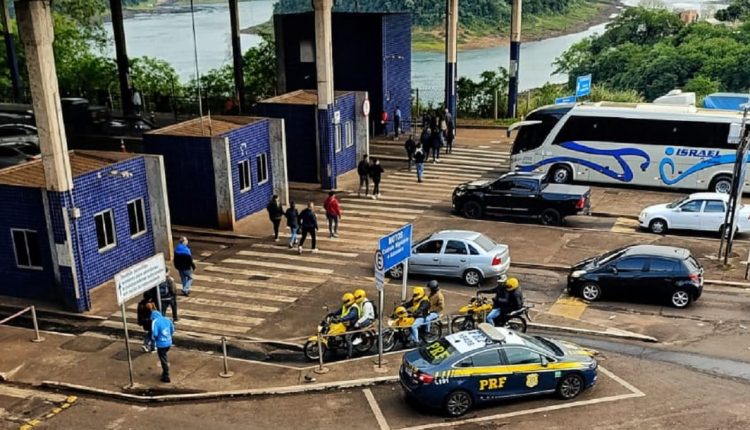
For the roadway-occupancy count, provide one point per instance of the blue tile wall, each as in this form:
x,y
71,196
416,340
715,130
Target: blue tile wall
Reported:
x,y
299,128
245,143
327,154
59,202
397,67
188,167
23,208
346,160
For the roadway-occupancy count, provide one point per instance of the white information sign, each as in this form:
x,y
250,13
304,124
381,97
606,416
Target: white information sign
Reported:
x,y
466,341
140,278
379,272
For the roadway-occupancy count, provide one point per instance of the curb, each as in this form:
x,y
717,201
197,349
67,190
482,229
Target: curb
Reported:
x,y
619,334
614,215
215,395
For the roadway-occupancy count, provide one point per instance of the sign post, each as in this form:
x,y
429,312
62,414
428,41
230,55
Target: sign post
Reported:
x,y
393,249
132,282
583,86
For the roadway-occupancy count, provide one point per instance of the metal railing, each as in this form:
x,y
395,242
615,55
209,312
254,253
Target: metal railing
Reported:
x,y
32,309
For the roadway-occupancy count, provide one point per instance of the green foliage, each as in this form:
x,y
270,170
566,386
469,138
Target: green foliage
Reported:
x,y
153,76
478,98
736,11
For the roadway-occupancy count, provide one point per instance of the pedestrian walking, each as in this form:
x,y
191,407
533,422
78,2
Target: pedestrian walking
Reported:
x,y
435,144
363,170
419,158
376,172
137,102
451,133
145,306
410,146
384,122
333,214
275,212
162,330
183,262
309,224
292,221
167,296
397,122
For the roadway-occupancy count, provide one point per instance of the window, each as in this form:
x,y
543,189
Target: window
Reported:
x,y
26,247
306,52
136,217
473,251
523,185
501,185
531,137
455,247
661,265
337,137
522,356
105,230
483,359
431,247
714,206
692,206
631,265
261,167
349,130
244,168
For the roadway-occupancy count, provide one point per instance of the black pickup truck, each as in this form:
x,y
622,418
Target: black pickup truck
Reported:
x,y
522,194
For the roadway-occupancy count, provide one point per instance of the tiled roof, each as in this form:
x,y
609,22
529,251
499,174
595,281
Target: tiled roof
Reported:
x,y
300,97
206,126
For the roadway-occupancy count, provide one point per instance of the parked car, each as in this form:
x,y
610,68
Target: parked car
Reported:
x,y
17,153
522,194
699,211
468,255
18,133
665,273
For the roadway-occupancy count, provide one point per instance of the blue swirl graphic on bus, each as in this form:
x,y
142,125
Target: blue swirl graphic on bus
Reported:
x,y
705,164
617,154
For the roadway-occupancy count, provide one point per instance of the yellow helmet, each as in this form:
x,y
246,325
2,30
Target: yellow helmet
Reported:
x,y
400,311
347,299
417,293
360,295
511,284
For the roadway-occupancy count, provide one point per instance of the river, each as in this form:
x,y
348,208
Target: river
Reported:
x,y
168,36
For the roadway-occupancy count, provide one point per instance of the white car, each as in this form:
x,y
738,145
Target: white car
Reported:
x,y
699,211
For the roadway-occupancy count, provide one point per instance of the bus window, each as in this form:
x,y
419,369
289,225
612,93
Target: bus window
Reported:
x,y
531,137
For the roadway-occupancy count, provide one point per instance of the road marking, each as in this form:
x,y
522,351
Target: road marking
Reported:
x,y
291,257
321,252
215,327
218,303
634,393
368,213
253,284
415,200
382,423
382,203
384,209
220,316
568,307
22,393
244,294
625,225
281,266
275,276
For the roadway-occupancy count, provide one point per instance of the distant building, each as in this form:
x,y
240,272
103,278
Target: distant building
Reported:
x,y
689,16
371,52
59,246
344,134
221,169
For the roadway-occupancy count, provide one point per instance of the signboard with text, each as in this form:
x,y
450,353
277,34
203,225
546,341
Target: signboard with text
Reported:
x,y
565,100
140,278
396,247
583,86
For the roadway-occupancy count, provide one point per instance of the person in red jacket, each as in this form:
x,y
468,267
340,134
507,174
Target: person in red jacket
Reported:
x,y
384,122
333,214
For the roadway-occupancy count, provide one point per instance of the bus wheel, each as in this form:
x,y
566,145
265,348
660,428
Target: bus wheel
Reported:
x,y
721,184
560,174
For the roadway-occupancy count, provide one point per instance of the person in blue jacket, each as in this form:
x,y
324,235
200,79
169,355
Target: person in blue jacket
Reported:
x,y
162,330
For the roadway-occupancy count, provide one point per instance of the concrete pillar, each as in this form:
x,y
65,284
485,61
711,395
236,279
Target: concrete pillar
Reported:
x,y
278,33
239,80
361,125
223,180
121,52
10,48
277,141
161,221
515,53
324,73
35,27
451,55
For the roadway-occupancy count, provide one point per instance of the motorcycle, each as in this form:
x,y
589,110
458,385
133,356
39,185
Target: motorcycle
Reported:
x,y
475,312
332,335
399,330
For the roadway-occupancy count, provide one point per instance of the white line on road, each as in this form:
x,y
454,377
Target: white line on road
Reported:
x,y
321,252
382,423
292,257
268,264
622,382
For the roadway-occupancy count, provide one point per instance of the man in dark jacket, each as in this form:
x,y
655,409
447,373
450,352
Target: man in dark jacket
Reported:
x,y
376,173
292,221
410,146
419,157
363,170
309,224
167,297
183,262
145,306
275,212
508,298
418,307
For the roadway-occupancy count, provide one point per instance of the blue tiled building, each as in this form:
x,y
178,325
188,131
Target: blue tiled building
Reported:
x,y
58,246
221,169
371,52
343,131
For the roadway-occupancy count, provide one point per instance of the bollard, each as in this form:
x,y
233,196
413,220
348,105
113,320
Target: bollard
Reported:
x,y
36,325
320,369
225,373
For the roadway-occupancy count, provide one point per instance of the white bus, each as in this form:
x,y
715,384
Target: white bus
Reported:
x,y
640,144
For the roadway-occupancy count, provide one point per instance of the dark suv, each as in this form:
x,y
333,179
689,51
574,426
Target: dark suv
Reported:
x,y
641,271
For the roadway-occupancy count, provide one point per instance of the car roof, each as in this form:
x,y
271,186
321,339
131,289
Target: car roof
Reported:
x,y
526,175
709,196
455,234
657,251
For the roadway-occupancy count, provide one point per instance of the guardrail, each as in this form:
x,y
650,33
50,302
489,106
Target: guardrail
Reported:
x,y
32,309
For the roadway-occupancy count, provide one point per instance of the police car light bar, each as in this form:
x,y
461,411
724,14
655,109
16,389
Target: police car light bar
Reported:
x,y
492,332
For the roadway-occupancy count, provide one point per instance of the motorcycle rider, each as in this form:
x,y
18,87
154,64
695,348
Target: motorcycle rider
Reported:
x,y
349,314
437,302
419,308
508,298
366,309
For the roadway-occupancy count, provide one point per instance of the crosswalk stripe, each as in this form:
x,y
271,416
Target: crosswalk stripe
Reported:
x,y
219,316
275,276
253,284
409,177
381,216
346,201
435,186
352,217
281,266
388,209
321,252
135,328
461,150
21,393
243,294
291,257
422,189
206,325
223,304
350,234
395,198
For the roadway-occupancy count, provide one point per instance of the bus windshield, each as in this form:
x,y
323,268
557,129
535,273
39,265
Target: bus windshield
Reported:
x,y
530,137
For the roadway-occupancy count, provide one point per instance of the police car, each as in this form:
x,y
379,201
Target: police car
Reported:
x,y
494,363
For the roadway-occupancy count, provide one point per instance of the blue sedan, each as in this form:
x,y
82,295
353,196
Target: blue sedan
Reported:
x,y
493,363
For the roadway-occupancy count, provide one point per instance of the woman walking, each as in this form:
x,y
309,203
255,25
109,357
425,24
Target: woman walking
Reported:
x,y
292,221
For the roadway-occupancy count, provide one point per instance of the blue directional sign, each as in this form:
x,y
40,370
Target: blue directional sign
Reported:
x,y
396,247
583,86
565,100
